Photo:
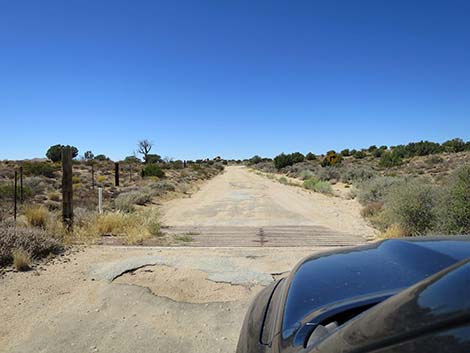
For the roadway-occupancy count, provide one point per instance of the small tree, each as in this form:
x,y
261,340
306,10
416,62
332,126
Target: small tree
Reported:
x,y
88,156
54,153
310,156
144,148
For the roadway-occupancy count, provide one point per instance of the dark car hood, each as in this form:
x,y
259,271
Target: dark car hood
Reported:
x,y
371,273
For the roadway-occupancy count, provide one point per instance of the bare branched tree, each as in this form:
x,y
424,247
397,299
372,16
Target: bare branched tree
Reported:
x,y
144,148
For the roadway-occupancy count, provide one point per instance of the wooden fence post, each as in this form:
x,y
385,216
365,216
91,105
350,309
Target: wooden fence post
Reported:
x,y
15,187
92,175
67,188
21,185
116,174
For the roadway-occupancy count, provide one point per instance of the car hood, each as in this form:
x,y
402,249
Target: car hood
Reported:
x,y
361,276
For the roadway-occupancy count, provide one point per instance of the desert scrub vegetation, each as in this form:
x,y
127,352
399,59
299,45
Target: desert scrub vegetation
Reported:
x,y
418,206
30,243
126,201
317,185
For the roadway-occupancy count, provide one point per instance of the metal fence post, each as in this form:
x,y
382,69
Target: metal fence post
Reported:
x,y
15,187
100,200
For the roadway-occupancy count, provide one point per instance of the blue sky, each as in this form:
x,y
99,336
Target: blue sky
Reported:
x,y
231,78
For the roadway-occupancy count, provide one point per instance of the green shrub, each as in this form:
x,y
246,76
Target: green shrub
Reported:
x,y
359,154
345,152
7,190
46,169
376,189
316,185
283,180
412,206
390,159
310,156
101,157
284,160
306,174
54,153
454,207
454,145
153,170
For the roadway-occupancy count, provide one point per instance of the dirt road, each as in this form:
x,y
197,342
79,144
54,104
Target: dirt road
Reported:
x,y
186,299
241,208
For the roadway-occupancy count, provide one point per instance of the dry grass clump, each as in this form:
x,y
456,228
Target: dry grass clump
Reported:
x,y
21,260
134,227
37,215
395,231
54,196
36,243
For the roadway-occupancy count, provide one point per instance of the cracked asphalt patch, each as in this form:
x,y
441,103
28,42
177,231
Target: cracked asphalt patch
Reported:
x,y
118,299
185,285
219,269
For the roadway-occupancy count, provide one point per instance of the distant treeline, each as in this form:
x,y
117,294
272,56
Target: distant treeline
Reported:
x,y
389,155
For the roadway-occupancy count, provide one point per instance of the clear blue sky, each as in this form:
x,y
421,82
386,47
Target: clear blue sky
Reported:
x,y
231,78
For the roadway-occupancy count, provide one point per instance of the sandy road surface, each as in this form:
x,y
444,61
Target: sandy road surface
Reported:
x,y
237,204
187,299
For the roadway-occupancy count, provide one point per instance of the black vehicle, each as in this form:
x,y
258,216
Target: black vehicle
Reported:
x,y
392,296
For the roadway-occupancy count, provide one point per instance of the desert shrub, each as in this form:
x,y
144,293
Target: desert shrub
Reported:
x,y
284,160
163,186
329,173
127,200
454,145
371,209
359,154
283,180
35,183
76,179
153,170
132,160
345,152
7,190
412,206
357,174
152,158
376,189
54,196
36,215
54,153
395,231
306,174
46,169
255,160
454,205
154,228
331,159
21,260
316,185
100,178
390,159
32,241
310,156
101,157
